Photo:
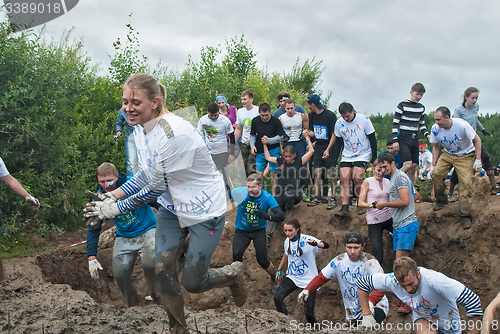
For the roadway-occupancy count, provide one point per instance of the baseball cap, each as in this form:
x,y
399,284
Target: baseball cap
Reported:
x,y
354,238
316,100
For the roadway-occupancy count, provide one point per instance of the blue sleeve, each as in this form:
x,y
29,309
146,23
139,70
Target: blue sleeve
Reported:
x,y
299,108
119,121
93,240
271,201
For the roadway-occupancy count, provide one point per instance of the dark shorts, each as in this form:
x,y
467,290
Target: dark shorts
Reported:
x,y
360,164
318,160
408,147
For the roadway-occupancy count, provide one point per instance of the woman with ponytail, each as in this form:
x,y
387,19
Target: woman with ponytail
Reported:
x,y
300,250
175,166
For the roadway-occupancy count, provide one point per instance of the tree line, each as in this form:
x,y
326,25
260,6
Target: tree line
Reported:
x,y
58,114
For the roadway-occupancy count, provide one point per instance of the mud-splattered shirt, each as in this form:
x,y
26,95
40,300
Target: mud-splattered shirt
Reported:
x,y
435,300
348,272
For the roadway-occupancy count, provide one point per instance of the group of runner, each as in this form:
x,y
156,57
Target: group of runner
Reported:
x,y
185,169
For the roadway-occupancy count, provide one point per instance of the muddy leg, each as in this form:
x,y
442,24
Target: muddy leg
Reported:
x,y
148,262
124,256
170,291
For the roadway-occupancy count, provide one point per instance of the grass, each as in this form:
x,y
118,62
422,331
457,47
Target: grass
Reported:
x,y
24,249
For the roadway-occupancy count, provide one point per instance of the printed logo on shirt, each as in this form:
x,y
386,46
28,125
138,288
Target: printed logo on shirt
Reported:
x,y
247,123
297,268
320,131
211,131
250,212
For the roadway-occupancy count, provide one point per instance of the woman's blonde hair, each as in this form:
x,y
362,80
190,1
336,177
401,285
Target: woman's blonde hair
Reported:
x,y
150,87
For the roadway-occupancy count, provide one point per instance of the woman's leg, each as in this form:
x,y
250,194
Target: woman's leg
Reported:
x,y
286,287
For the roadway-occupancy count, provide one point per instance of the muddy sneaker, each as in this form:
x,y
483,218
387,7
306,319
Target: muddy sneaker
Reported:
x,y
438,206
332,204
361,211
466,223
342,213
315,201
305,197
451,198
239,287
354,202
324,200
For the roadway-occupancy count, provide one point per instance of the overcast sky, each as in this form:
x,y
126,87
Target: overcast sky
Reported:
x,y
372,50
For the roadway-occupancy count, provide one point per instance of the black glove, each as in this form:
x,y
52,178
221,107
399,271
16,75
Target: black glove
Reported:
x,y
485,132
313,243
262,214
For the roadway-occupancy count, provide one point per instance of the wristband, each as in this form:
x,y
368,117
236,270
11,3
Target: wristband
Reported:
x,y
374,205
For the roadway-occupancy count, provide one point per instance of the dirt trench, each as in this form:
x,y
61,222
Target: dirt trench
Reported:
x,y
58,289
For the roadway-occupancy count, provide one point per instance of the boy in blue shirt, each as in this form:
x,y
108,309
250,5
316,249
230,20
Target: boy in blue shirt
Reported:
x,y
251,221
135,234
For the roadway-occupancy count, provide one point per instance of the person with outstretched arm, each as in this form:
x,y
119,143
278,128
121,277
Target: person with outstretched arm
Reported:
x,y
432,296
14,184
347,268
135,235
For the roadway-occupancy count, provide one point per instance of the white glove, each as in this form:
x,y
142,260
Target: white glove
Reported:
x,y
368,321
372,308
303,295
35,205
105,209
477,165
94,267
431,171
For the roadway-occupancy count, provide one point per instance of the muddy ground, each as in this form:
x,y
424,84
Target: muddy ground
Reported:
x,y
53,293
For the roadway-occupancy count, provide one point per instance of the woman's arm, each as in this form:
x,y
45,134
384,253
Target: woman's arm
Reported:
x,y
268,155
310,148
362,195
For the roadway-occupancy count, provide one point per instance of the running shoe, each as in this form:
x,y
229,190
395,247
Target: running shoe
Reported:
x,y
332,204
315,201
342,213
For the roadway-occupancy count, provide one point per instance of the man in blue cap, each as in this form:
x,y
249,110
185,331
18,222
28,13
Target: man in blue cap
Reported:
x,y
321,124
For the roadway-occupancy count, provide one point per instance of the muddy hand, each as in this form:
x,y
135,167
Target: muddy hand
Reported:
x,y
105,209
94,267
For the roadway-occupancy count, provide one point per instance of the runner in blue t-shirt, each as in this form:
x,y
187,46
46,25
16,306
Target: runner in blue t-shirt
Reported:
x,y
251,221
135,235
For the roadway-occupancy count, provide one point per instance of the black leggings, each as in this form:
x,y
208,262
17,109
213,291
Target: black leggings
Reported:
x,y
241,241
283,198
376,233
287,287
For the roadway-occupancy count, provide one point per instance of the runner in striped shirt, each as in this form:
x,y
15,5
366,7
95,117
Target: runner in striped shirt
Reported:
x,y
431,295
409,118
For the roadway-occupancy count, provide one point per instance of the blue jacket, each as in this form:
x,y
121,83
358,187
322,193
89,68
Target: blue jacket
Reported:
x,y
128,224
122,117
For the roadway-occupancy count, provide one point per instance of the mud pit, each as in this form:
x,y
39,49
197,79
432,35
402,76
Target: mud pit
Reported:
x,y
56,292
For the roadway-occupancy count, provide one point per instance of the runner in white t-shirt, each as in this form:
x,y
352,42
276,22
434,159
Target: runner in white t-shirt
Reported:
x,y
431,295
244,118
175,164
216,128
300,251
357,135
348,268
423,183
461,146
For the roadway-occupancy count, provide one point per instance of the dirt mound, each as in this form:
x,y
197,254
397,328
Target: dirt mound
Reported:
x,y
470,256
